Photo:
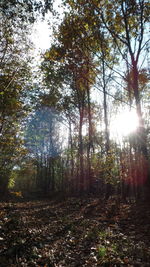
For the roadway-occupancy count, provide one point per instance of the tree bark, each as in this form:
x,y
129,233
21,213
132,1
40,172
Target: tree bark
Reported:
x,y
81,165
141,133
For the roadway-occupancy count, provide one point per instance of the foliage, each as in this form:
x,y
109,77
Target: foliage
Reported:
x,y
97,46
14,81
26,11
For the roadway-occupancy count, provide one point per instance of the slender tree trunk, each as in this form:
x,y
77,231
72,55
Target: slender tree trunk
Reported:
x,y
90,142
141,137
81,165
71,149
141,133
53,175
4,181
107,140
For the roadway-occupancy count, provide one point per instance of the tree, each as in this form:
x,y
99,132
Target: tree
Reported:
x,y
14,82
42,141
26,11
77,66
126,22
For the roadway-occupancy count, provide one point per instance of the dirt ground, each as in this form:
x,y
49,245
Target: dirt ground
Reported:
x,y
74,232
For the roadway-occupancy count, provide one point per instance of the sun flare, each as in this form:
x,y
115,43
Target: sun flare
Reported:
x,y
124,124
41,35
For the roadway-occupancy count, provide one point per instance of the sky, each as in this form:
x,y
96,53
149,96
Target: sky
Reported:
x,y
43,29
41,35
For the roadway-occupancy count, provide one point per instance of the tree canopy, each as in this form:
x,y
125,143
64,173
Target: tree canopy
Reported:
x,y
94,69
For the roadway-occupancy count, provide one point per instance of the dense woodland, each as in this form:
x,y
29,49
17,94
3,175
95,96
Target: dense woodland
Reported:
x,y
57,143
95,46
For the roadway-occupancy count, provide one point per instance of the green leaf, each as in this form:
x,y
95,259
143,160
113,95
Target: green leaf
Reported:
x,y
102,252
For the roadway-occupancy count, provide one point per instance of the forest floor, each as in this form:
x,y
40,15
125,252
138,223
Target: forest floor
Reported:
x,y
74,232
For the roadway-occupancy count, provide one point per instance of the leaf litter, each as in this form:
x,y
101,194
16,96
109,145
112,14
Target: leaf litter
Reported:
x,y
74,232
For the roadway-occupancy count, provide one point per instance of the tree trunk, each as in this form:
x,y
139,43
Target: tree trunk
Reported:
x,y
90,146
81,165
141,133
107,142
71,149
4,181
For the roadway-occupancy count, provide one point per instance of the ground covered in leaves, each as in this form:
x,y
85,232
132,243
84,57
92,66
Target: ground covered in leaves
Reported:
x,y
74,232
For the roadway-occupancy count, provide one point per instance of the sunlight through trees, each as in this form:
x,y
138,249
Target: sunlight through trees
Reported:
x,y
78,115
